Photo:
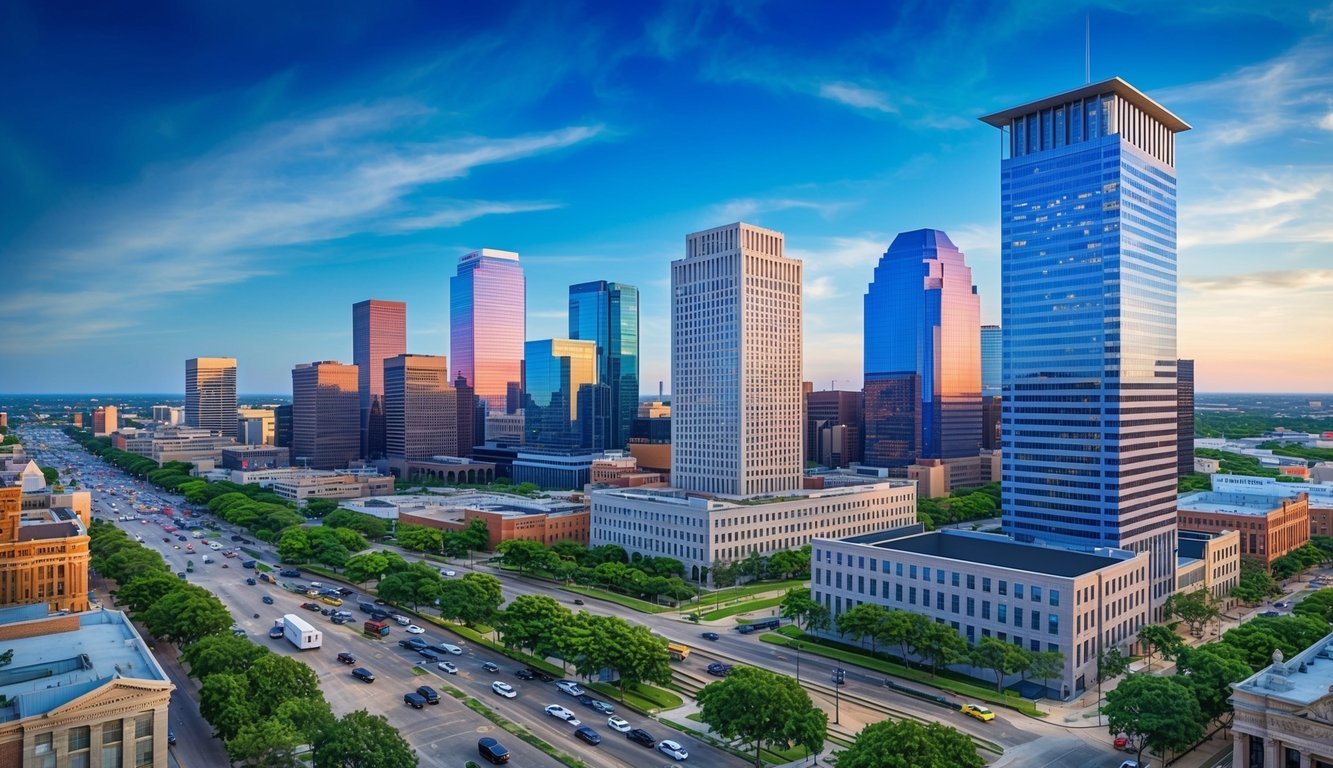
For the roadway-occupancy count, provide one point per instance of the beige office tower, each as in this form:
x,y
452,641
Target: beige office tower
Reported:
x,y
736,364
210,394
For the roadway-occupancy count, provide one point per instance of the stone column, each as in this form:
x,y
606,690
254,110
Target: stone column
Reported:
x,y
1305,760
1272,753
1240,752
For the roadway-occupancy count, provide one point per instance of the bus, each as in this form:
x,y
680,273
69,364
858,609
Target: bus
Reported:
x,y
376,629
746,629
678,651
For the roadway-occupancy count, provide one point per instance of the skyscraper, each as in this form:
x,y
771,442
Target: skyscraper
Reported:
x,y
487,323
471,421
922,354
833,427
991,360
420,408
210,394
1184,417
326,423
282,426
1088,311
736,363
608,313
558,378
379,331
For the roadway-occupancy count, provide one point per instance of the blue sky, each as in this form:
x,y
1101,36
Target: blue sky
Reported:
x,y
227,179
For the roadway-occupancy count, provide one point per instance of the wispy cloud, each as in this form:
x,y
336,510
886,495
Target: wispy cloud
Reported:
x,y
857,96
748,207
1266,283
458,213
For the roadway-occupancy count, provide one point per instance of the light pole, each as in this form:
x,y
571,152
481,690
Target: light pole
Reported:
x,y
838,675
797,646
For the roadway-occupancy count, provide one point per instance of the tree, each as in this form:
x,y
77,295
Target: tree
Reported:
x,y
364,567
221,654
902,629
144,590
522,554
1317,606
294,545
1254,585
999,657
475,536
318,507
1155,712
51,474
1160,639
416,585
266,743
761,707
1197,609
1208,672
909,744
224,701
532,622
863,621
363,740
275,679
1043,665
940,645
473,599
1111,664
634,653
802,609
187,615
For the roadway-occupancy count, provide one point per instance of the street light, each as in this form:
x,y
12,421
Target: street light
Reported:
x,y
839,675
797,646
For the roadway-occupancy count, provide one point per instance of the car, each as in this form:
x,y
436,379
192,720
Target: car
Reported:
x,y
557,711
718,669
412,643
578,601
429,694
672,749
413,629
570,687
181,538
447,572
311,607
447,648
171,737
603,707
180,574
1280,604
525,674
414,700
363,674
977,711
492,751
275,632
585,699
1270,614
235,538
1121,741
268,600
428,654
286,573
326,611
340,620
345,592
250,581
640,736
490,666
618,723
401,619
448,667
542,676
346,658
711,636
588,735
504,689
1133,764
166,539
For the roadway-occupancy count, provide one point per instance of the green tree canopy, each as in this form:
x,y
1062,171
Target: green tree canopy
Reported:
x,y
1155,712
1162,640
362,740
186,615
1197,609
909,744
217,654
999,657
760,707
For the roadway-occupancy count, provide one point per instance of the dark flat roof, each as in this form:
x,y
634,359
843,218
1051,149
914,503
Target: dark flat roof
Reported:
x,y
1115,85
1003,553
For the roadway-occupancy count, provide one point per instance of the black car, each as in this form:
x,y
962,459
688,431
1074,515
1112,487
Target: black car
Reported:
x,y
429,655
640,736
492,751
585,699
711,636
346,658
288,573
718,669
327,611
250,581
542,676
235,538
412,643
311,607
525,674
363,674
275,632
345,592
589,735
490,666
429,694
268,600
414,700
181,538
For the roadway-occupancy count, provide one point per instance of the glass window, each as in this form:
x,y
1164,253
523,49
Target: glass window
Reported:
x,y
111,732
80,737
1053,623
925,573
939,576
1036,594
1003,587
953,603
1018,590
971,606
1018,616
985,583
898,592
1055,597
42,743
912,572
143,754
143,726
898,569
111,755
971,581
954,578
1002,613
985,609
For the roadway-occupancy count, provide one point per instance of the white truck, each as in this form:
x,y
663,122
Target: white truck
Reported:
x,y
299,632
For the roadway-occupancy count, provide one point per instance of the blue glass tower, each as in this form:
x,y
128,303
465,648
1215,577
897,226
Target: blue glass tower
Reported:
x,y
991,361
922,357
1088,311
559,379
608,314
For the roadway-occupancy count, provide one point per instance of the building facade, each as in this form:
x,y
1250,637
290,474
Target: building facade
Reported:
x,y
1219,554
379,332
105,421
736,363
992,360
254,426
299,485
922,354
1042,598
1088,204
282,426
559,397
608,314
1269,526
833,428
487,324
210,394
1184,417
1284,713
43,550
326,421
248,457
420,408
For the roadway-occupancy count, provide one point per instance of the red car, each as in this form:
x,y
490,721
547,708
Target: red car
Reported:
x,y
1121,741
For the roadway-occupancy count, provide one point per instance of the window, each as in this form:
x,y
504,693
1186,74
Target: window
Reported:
x,y
1018,616
985,583
971,607
1004,587
42,743
898,592
1055,597
80,737
925,573
954,578
111,732
911,595
953,603
898,569
143,726
1002,613
971,581
1036,620
1018,590
985,609
1036,594
912,572
1053,624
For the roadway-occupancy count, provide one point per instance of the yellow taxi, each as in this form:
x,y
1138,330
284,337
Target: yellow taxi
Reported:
x,y
977,711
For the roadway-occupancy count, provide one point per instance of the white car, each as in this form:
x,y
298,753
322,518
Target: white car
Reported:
x,y
447,648
570,687
504,689
401,619
555,710
672,749
618,723
448,666
447,572
413,629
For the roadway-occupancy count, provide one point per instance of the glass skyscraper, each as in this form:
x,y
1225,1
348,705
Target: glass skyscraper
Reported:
x,y
1088,272
488,323
922,356
560,380
991,361
379,332
608,314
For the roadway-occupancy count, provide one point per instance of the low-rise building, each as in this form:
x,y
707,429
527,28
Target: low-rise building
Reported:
x,y
701,529
303,484
255,456
450,469
80,690
1039,597
507,517
1215,556
1207,466
1269,526
1319,495
1284,713
43,547
554,470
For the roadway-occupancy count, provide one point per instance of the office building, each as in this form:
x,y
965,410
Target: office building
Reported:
x,y
991,408
1215,555
1042,598
471,421
1088,204
326,421
1269,526
169,415
252,457
254,426
80,690
558,374
282,426
487,324
736,363
210,394
379,332
1184,417
553,470
451,469
650,437
300,485
505,428
420,409
1284,712
43,544
833,428
922,354
992,360
105,421
507,517
608,314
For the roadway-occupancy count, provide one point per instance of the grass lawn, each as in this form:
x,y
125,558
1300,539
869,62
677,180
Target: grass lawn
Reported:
x,y
643,698
756,588
745,607
619,599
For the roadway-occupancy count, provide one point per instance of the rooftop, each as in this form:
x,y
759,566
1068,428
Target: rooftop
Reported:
x,y
1228,503
681,497
1301,680
997,550
1115,85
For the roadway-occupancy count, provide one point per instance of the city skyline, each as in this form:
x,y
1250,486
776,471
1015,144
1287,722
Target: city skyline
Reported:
x,y
212,192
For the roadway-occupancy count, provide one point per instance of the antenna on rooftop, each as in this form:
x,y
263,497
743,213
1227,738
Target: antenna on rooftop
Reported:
x,y
1087,47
